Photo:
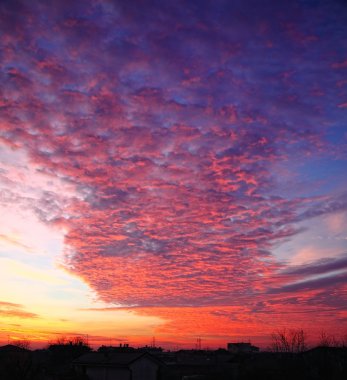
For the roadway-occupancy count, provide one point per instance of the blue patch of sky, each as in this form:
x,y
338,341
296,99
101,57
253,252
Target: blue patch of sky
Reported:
x,y
329,174
309,177
338,134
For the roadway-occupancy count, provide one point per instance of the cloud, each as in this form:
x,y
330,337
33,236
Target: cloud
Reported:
x,y
312,284
322,266
14,310
13,241
163,128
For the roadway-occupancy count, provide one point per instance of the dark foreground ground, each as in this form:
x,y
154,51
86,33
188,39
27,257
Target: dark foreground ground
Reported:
x,y
59,363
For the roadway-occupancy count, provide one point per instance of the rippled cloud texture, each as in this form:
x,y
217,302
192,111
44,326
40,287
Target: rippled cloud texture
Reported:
x,y
193,138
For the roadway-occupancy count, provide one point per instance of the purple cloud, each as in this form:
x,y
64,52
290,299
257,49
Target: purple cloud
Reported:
x,y
181,127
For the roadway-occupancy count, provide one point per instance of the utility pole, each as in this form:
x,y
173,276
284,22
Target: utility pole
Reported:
x,y
198,343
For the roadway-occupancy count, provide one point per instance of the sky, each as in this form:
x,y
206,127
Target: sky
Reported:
x,y
172,169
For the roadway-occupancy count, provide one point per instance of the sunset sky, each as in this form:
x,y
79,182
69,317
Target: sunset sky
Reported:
x,y
172,169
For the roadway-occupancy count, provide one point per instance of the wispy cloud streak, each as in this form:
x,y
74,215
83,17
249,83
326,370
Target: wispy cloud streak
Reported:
x,y
10,310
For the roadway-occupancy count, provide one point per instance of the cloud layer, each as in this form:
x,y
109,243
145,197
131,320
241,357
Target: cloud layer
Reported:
x,y
8,309
192,137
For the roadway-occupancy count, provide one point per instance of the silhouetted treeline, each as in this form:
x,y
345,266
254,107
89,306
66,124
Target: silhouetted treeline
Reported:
x,y
287,358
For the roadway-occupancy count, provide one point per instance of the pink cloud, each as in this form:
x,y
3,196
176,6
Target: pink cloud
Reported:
x,y
170,137
9,310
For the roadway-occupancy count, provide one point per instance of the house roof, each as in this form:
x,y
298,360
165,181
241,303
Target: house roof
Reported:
x,y
12,348
324,349
241,344
111,358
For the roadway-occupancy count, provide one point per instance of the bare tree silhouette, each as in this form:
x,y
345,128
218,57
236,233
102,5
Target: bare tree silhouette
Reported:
x,y
22,343
327,340
289,340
